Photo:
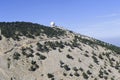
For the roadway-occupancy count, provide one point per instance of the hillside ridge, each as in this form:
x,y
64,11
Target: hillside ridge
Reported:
x,y
30,51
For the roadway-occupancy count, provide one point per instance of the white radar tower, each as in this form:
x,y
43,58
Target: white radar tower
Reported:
x,y
52,24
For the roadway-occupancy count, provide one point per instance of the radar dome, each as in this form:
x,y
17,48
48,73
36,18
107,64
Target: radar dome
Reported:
x,y
52,24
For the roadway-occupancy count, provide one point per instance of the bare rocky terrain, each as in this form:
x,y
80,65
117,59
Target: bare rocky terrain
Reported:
x,y
30,51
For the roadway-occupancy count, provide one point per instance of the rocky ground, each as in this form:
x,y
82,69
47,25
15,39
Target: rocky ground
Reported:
x,y
69,57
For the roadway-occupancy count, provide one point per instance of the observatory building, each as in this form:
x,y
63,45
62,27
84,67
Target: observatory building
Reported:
x,y
52,24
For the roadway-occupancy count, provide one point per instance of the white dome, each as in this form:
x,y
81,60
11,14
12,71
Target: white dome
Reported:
x,y
52,24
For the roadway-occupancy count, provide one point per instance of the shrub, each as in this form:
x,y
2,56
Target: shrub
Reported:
x,y
0,37
112,59
59,50
112,78
61,45
88,72
79,60
40,47
46,49
81,69
69,56
71,74
75,69
100,56
105,77
85,76
34,66
76,74
106,72
29,55
41,57
16,56
52,78
80,48
50,75
95,59
100,74
69,50
86,55
94,54
86,51
33,62
65,74
61,64
8,59
95,79
66,67
109,70
90,66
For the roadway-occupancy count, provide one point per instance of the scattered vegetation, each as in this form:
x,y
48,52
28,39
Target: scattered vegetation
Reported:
x,y
98,42
55,44
101,74
34,66
28,52
17,29
42,48
41,57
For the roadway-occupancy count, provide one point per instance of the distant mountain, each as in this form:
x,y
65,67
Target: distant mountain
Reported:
x,y
113,40
30,51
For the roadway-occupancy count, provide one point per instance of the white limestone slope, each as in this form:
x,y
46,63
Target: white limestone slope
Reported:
x,y
22,60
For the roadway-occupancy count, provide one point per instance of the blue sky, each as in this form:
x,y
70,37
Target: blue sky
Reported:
x,y
96,18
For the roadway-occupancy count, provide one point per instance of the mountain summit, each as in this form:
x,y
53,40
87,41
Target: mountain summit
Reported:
x,y
30,51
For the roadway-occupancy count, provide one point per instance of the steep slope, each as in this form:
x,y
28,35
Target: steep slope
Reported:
x,y
35,52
